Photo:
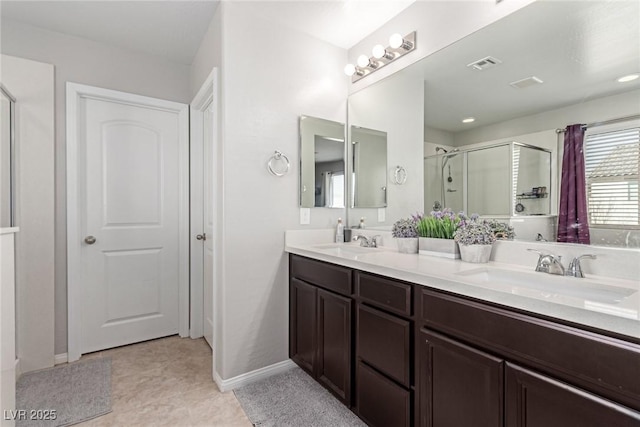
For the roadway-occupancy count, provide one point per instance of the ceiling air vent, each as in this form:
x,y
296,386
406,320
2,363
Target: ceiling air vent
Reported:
x,y
484,63
525,83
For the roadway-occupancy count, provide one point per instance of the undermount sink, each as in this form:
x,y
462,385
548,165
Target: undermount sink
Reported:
x,y
549,285
346,249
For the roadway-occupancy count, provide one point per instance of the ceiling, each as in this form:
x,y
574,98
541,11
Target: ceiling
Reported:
x,y
578,49
174,29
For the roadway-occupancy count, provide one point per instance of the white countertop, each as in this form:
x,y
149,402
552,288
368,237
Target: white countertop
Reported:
x,y
491,282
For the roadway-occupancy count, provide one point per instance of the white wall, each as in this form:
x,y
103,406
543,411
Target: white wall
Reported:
x,y
32,85
7,324
438,23
400,116
209,53
84,61
271,76
595,110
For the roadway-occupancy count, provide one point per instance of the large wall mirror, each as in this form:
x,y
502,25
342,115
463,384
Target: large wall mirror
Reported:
x,y
536,83
322,163
7,159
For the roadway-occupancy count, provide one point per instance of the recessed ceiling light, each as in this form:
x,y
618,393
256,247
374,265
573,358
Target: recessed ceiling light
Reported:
x,y
469,120
628,78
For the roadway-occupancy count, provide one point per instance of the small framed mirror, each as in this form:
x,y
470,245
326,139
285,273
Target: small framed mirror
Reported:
x,y
369,168
322,163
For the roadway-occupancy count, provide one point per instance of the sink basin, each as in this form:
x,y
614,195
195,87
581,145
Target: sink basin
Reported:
x,y
346,249
549,285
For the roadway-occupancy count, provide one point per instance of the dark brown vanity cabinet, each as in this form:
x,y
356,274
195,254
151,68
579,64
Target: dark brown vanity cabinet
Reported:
x,y
320,323
384,351
471,367
406,354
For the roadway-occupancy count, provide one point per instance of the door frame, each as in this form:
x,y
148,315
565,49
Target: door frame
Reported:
x,y
207,94
75,199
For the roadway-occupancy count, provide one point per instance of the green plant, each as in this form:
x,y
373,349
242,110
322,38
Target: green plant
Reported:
x,y
438,225
403,228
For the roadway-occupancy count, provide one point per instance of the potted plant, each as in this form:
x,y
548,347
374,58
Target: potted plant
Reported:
x,y
501,230
475,238
404,230
436,233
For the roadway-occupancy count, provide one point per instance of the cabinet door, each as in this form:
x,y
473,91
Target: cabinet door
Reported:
x,y
459,385
535,400
380,401
334,344
303,325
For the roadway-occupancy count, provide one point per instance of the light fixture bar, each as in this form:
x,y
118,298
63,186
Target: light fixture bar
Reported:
x,y
382,56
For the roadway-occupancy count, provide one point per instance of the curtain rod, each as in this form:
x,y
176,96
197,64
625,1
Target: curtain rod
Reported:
x,y
606,122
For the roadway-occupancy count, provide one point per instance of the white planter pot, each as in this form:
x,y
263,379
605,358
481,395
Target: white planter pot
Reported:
x,y
408,245
443,248
475,253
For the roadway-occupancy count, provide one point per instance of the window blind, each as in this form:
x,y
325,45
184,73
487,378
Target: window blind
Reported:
x,y
611,166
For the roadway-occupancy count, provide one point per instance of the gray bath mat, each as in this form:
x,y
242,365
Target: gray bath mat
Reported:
x,y
293,398
76,392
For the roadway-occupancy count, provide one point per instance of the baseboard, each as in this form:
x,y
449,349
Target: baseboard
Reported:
x,y
253,376
60,358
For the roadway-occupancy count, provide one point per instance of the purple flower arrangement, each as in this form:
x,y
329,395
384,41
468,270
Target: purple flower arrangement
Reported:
x,y
474,231
404,228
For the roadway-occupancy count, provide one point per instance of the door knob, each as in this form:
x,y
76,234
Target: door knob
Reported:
x,y
202,236
89,240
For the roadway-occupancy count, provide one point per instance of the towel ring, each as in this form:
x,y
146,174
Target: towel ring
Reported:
x,y
400,175
278,157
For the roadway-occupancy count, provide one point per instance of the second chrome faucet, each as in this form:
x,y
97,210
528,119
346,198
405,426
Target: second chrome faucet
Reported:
x,y
552,264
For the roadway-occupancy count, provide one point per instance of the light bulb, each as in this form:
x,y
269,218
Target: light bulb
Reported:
x,y
629,78
350,69
363,61
378,51
395,41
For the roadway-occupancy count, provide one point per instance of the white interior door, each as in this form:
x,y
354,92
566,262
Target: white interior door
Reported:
x,y
208,216
130,265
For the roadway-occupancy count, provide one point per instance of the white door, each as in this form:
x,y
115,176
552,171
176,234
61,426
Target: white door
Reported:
x,y
130,266
208,216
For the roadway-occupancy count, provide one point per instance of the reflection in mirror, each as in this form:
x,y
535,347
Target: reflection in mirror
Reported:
x,y
498,178
322,165
7,160
569,73
369,168
531,180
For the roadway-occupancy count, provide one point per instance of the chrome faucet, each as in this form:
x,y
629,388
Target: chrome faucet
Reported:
x,y
366,241
548,263
575,269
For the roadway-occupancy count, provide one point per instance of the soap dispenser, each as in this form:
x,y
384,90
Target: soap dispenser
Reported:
x,y
361,223
340,231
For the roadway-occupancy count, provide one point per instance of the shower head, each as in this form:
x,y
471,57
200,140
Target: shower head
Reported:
x,y
440,149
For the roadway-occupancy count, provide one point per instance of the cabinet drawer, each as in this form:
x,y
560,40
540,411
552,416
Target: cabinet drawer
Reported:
x,y
604,365
385,293
328,276
380,402
384,342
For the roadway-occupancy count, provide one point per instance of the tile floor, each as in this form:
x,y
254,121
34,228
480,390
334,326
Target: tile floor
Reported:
x,y
166,382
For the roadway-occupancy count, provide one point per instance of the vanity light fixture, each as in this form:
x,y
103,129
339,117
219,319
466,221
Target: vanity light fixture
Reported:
x,y
628,78
381,56
468,120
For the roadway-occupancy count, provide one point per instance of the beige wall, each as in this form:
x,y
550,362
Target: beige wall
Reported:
x,y
83,61
32,85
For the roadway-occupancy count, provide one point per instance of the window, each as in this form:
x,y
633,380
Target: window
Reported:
x,y
611,167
